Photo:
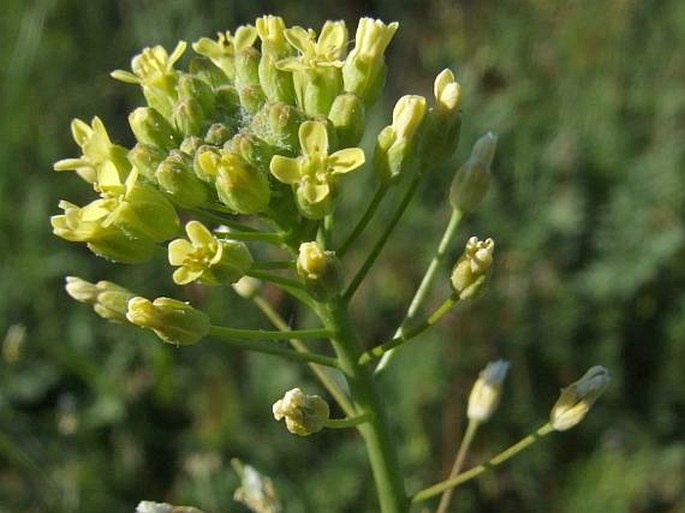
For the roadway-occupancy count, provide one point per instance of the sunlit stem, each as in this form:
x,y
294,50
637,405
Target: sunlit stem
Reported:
x,y
365,219
209,215
458,463
422,292
325,235
262,346
462,478
323,374
348,422
407,335
380,243
270,266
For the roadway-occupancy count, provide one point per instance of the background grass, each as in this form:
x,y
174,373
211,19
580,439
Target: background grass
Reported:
x,y
587,208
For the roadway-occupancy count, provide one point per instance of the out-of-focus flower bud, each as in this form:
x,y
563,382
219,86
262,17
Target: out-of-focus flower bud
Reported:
x,y
319,270
303,414
108,299
444,120
247,287
364,68
228,102
190,86
202,257
146,159
218,134
204,69
396,145
189,117
190,145
256,491
577,398
470,271
173,321
176,177
347,115
471,181
152,129
486,391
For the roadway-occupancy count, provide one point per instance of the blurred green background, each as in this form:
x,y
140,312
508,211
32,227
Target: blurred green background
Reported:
x,y
587,208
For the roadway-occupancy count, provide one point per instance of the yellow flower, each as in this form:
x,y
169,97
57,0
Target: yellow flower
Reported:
x,y
314,174
222,51
316,53
173,321
205,258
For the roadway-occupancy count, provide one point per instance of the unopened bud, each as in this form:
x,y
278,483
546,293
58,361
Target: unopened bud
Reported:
x,y
146,158
486,391
577,398
108,299
469,273
303,414
192,87
364,68
218,134
206,70
152,129
347,115
173,321
320,271
471,181
189,117
277,124
176,177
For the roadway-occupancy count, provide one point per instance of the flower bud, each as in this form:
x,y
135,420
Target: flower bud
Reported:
x,y
240,186
277,124
347,116
228,102
176,177
152,129
251,98
471,181
173,321
316,89
189,117
207,259
486,391
320,271
577,398
444,122
144,212
247,287
253,149
277,84
469,273
109,300
192,87
364,68
146,158
190,145
303,414
204,69
218,134
397,143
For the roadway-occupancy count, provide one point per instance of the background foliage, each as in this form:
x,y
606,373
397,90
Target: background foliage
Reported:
x,y
587,208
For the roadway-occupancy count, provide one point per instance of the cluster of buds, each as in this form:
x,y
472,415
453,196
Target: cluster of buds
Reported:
x,y
304,414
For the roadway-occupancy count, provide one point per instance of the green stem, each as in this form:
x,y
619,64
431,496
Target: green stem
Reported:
x,y
407,335
522,444
262,346
422,292
348,422
364,221
272,238
217,218
243,334
458,463
378,247
368,401
275,279
323,374
271,266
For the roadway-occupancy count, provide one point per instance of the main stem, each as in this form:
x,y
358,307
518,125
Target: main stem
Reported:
x,y
367,400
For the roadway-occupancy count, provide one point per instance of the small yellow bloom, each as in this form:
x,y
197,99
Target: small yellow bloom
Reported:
x,y
316,53
303,414
313,175
223,50
207,259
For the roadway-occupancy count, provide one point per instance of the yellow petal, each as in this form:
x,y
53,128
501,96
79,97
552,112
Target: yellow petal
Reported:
x,y
285,169
245,37
198,234
178,251
313,193
300,39
183,276
332,40
346,160
313,138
